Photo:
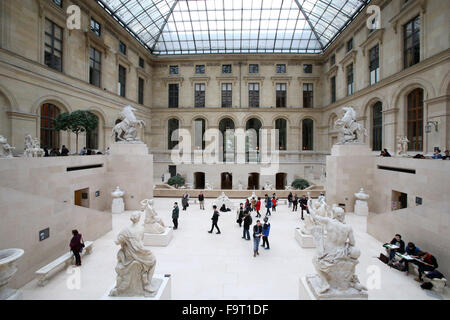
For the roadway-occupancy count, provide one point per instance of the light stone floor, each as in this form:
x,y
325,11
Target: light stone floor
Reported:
x,y
212,266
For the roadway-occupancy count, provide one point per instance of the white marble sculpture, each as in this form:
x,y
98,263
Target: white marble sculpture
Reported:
x,y
223,199
152,223
8,268
335,259
268,185
208,186
135,263
32,147
126,130
351,132
321,198
240,186
253,196
117,204
402,146
361,207
5,148
320,208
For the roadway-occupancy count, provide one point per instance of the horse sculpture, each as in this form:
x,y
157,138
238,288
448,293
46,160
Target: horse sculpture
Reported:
x,y
351,131
126,130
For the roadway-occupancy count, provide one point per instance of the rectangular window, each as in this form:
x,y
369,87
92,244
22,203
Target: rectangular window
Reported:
x,y
199,95
308,94
281,95
95,27
173,69
374,64
58,3
350,83
200,69
253,68
53,45
411,35
227,97
333,89
122,80
307,68
141,91
122,47
95,67
173,95
141,63
253,95
226,68
333,60
281,68
350,45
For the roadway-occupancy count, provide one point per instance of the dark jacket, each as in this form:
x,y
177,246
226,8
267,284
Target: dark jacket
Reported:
x,y
201,197
266,229
295,200
303,202
184,202
290,196
175,212
257,230
247,222
401,244
215,216
240,215
269,203
75,243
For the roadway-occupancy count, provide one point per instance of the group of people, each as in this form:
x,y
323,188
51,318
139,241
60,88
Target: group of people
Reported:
x,y
55,152
424,260
294,201
436,155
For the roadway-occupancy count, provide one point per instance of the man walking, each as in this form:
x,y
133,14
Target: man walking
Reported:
x,y
175,214
268,205
258,207
247,224
304,205
295,203
266,231
257,234
215,219
201,200
290,199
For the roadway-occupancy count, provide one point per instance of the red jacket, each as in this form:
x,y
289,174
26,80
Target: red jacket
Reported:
x,y
258,205
274,202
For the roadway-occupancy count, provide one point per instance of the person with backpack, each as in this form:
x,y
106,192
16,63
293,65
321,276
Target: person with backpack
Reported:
x,y
266,231
258,207
240,214
76,246
247,224
215,219
427,263
268,205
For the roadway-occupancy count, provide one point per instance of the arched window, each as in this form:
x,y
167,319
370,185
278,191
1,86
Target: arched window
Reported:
x,y
415,120
377,126
307,134
226,127
281,125
172,125
92,137
252,128
199,134
49,136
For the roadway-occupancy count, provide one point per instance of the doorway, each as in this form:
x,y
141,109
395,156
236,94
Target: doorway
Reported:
x,y
81,198
280,180
199,180
253,181
173,171
226,180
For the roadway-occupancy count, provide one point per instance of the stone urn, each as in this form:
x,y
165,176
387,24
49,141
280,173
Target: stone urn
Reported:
x,y
361,207
118,205
361,195
8,268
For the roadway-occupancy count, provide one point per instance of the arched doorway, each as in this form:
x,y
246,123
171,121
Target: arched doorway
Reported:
x,y
280,180
226,179
252,128
281,125
92,137
172,130
49,136
199,180
415,120
377,126
226,127
253,181
307,134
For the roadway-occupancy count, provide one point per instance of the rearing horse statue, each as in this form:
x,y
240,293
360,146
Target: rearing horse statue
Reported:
x,y
351,131
126,130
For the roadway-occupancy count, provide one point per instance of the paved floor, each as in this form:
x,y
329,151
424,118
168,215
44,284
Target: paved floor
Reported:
x,y
212,266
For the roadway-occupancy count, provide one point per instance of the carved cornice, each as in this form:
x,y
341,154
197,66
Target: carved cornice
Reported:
x,y
144,74
373,36
199,79
351,55
308,79
392,110
333,70
287,79
172,79
93,40
407,8
220,79
248,79
123,59
21,115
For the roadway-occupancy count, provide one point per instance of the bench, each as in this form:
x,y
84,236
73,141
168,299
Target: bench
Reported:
x,y
64,260
438,284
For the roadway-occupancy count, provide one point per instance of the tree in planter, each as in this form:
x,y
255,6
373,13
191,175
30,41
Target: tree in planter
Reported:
x,y
77,122
176,181
300,184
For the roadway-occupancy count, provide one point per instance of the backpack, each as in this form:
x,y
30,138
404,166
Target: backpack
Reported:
x,y
383,258
426,285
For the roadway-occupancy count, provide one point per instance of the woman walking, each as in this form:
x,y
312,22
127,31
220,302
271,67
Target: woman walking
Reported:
x,y
76,245
258,207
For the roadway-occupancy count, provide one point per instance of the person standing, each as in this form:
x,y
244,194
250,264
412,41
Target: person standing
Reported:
x,y
240,214
274,203
304,205
185,201
295,203
76,245
258,207
253,203
201,200
247,224
268,205
266,231
215,219
289,199
175,215
257,234
248,206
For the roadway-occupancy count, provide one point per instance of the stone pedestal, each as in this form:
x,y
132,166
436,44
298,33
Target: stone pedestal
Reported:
x,y
127,148
305,240
308,290
361,208
117,205
158,239
164,291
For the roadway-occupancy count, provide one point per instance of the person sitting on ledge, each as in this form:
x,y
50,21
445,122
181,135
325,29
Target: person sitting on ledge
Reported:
x,y
428,263
385,153
437,154
223,208
446,156
419,156
398,242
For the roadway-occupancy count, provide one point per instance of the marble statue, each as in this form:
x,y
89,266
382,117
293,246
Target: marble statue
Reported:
x,y
152,223
240,186
117,204
351,132
402,146
208,186
253,196
361,207
288,187
5,149
321,198
335,259
32,147
268,185
320,208
126,130
223,199
135,264
8,268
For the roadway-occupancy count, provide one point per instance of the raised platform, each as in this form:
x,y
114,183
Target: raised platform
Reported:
x,y
158,240
164,291
304,240
126,148
308,290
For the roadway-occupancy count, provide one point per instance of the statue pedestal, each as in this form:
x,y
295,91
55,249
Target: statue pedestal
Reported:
x,y
361,208
309,290
304,240
117,205
128,148
158,239
164,291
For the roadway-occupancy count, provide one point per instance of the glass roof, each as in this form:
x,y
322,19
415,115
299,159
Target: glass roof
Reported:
x,y
234,26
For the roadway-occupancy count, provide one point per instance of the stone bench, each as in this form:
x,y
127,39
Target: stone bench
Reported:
x,y
438,284
65,260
